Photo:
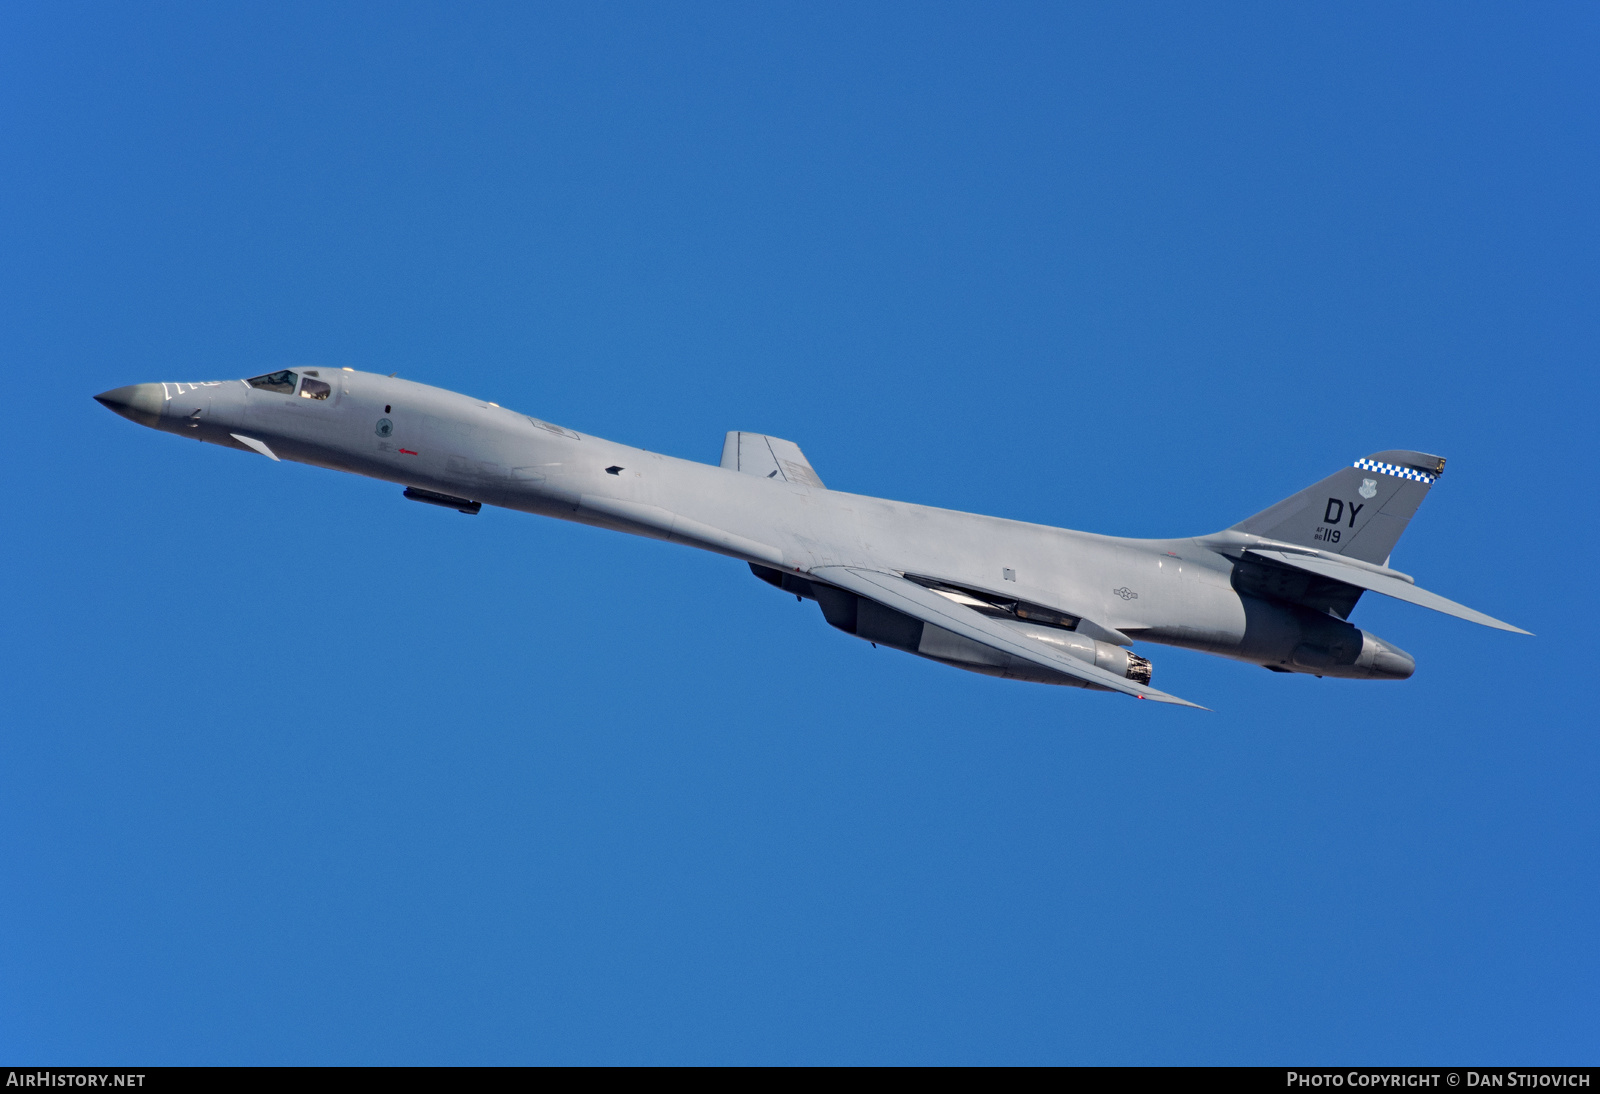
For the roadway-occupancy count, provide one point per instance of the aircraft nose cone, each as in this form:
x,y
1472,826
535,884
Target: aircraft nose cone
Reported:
x,y
137,402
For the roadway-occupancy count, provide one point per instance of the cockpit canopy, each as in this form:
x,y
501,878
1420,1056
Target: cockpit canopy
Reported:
x,y
286,382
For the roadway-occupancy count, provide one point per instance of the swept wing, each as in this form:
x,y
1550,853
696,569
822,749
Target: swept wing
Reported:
x,y
893,591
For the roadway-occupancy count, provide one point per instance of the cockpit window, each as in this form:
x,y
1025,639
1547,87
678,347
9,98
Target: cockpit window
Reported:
x,y
314,389
276,381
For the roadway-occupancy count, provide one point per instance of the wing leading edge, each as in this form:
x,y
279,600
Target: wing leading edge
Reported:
x,y
928,606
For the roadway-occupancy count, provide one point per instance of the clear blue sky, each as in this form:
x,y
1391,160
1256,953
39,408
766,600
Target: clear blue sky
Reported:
x,y
295,771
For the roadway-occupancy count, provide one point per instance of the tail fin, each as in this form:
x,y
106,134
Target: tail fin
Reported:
x,y
768,457
1358,512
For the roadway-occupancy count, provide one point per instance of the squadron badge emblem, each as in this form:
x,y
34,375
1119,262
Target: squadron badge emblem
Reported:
x,y
386,427
1369,489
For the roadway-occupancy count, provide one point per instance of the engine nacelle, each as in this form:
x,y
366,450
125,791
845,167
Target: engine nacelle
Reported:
x,y
886,627
1289,638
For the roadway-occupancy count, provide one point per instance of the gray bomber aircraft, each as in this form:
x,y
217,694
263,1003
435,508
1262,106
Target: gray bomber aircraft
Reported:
x,y
1002,597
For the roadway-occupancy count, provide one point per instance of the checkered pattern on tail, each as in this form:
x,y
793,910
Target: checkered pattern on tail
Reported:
x,y
1397,471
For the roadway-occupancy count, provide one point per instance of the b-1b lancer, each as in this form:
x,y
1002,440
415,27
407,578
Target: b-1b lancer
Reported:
x,y
1002,597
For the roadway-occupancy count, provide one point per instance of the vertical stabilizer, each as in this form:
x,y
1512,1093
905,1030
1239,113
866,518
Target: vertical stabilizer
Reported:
x,y
1359,511
768,458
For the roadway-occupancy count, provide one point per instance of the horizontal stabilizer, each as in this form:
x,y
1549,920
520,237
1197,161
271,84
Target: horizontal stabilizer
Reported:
x,y
1363,578
768,458
928,606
